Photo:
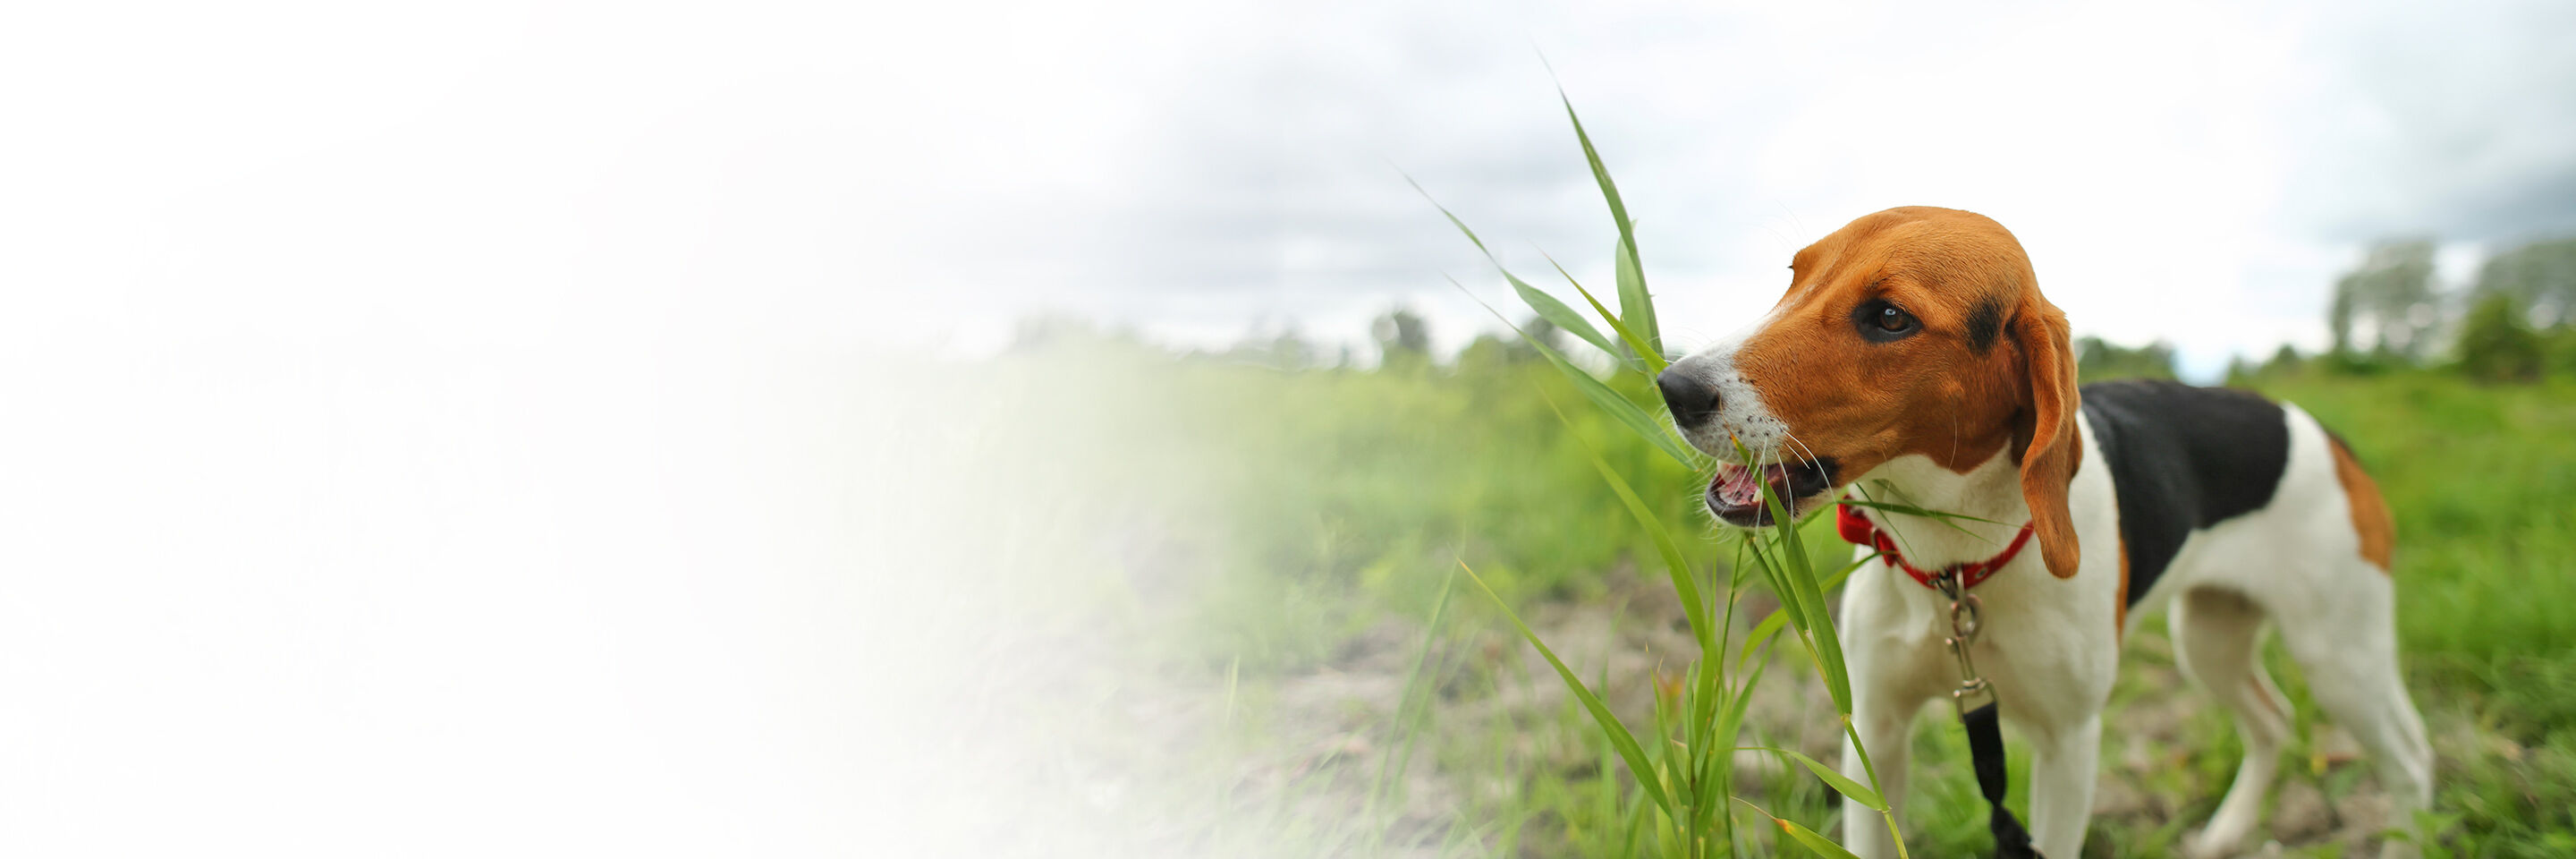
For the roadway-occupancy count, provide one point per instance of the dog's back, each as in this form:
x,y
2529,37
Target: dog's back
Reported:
x,y
2236,510
2185,459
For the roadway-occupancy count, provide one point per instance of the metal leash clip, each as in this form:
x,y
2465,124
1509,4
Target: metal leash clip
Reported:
x,y
1966,618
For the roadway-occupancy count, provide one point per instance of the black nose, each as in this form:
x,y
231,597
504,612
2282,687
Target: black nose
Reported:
x,y
1692,399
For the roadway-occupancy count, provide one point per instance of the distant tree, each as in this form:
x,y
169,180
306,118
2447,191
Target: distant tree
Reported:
x,y
2241,372
1486,354
1284,349
2392,292
1538,329
2285,361
1403,339
2539,278
2097,359
2496,345
1291,351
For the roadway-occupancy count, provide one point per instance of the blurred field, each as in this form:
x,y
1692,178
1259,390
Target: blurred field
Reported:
x,y
1273,540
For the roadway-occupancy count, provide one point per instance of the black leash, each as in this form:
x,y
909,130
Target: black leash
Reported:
x,y
1975,699
1986,749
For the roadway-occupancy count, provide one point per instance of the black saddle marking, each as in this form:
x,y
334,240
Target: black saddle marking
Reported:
x,y
2183,458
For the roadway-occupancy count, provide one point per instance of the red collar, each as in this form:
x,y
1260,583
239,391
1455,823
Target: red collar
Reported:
x,y
1856,528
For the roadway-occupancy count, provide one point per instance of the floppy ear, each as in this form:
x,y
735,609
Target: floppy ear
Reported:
x,y
2048,464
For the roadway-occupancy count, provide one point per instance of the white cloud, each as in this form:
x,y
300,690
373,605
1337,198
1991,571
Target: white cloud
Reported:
x,y
926,173
2196,174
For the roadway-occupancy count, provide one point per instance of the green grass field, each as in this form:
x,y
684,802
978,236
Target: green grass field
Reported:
x,y
1307,523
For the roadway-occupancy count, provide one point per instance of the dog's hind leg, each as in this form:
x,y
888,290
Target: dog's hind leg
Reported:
x,y
2346,645
2218,637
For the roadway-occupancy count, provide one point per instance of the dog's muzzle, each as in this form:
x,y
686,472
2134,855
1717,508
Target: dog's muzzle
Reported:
x,y
1735,493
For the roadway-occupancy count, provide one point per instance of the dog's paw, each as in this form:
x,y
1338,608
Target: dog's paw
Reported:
x,y
2200,845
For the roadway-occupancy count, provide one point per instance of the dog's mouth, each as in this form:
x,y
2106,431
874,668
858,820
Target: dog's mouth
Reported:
x,y
1735,494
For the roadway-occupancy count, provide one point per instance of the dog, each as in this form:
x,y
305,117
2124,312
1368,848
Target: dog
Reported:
x,y
1913,360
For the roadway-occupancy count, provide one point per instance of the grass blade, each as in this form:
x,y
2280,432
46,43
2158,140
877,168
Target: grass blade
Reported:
x,y
1721,767
1736,708
1820,624
1837,578
1822,845
1911,510
1677,566
1771,625
1557,312
1654,362
1620,739
1600,394
1633,300
1618,406
1806,614
1547,306
1670,770
1635,303
1798,575
1771,574
1842,784
1406,721
1762,632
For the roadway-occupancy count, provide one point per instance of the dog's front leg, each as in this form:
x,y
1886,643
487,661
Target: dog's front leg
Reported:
x,y
1895,667
2062,773
1885,725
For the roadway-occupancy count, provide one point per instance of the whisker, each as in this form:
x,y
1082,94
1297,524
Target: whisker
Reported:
x,y
1762,474
1793,439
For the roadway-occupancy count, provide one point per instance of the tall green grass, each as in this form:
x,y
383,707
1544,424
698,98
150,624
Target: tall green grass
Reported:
x,y
1684,774
1297,515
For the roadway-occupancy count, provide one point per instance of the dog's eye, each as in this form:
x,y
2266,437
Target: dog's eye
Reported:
x,y
1881,321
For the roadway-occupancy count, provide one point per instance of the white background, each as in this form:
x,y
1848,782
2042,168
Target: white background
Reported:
x,y
431,430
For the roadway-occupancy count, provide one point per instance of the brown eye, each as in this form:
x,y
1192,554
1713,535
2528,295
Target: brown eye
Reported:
x,y
1881,322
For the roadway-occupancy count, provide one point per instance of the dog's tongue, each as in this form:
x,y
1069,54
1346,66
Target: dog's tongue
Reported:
x,y
1740,487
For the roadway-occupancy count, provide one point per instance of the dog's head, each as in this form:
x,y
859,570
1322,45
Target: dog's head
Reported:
x,y
1913,331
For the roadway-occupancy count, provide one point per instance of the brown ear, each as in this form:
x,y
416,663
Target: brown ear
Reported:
x,y
2048,464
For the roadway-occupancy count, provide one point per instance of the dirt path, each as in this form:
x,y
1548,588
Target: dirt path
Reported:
x,y
1329,727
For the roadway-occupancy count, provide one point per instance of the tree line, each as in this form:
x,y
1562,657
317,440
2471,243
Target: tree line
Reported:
x,y
2515,321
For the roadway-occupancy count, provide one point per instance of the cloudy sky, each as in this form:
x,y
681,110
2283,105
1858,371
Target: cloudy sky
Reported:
x,y
2198,173
927,173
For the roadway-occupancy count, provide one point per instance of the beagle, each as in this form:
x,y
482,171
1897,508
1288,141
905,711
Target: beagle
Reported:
x,y
1913,360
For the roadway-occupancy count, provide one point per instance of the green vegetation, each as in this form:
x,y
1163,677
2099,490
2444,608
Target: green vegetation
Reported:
x,y
1334,503
1323,507
2096,358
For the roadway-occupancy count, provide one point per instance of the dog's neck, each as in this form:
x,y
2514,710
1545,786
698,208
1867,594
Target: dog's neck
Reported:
x,y
1991,491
